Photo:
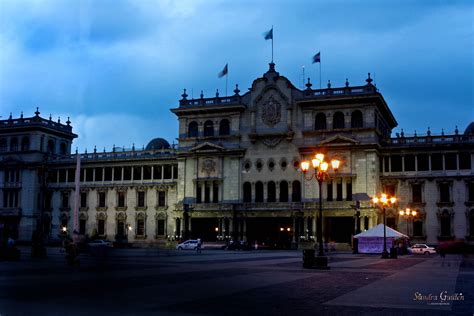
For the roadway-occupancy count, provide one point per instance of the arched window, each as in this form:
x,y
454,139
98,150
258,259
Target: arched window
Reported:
x,y
320,123
224,127
62,149
271,192
338,120
50,147
445,220
356,119
208,128
25,144
417,227
14,144
247,192
471,223
259,192
283,191
3,145
193,129
296,192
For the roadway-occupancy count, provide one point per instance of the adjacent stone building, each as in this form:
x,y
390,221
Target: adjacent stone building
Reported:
x,y
235,173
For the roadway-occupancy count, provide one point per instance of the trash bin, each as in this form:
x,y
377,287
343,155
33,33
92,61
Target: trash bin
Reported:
x,y
308,258
393,253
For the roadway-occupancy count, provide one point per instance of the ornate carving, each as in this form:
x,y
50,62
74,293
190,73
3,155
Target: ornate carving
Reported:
x,y
208,166
271,141
271,112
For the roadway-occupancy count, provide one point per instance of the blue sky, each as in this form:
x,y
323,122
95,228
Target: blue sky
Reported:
x,y
117,67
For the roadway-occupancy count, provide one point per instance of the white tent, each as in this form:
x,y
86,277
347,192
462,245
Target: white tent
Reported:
x,y
371,241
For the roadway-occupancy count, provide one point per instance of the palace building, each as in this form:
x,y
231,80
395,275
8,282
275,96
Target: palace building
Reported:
x,y
235,173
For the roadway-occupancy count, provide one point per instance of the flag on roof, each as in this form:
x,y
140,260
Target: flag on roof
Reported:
x,y
317,58
268,34
223,72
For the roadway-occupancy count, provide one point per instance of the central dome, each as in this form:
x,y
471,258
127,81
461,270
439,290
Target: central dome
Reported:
x,y
157,143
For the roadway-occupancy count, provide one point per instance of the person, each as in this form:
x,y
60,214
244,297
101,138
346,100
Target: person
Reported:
x,y
199,245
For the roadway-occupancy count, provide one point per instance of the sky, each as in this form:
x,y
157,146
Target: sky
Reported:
x,y
116,67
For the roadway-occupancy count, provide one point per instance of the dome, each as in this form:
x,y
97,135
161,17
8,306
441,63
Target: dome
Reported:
x,y
469,129
157,143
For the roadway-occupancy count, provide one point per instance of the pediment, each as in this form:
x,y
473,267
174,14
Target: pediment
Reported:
x,y
339,140
207,147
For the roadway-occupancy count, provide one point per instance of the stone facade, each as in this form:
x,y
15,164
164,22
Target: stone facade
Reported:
x,y
236,172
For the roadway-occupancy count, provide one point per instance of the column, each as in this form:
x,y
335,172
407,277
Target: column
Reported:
x,y
314,227
290,192
244,229
294,229
253,192
231,227
305,227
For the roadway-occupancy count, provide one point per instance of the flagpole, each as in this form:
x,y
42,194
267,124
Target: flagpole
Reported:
x,y
319,75
227,75
272,44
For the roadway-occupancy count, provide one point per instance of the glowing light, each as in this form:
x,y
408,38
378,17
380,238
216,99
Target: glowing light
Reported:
x,y
288,229
402,213
129,228
375,200
335,164
384,199
316,163
305,166
216,229
324,166
320,157
393,200
413,213
281,229
64,229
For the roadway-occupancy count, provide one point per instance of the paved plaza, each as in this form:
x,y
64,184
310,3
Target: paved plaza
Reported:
x,y
218,282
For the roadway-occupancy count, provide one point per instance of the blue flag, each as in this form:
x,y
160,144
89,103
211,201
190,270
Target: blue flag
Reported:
x,y
268,34
317,58
223,72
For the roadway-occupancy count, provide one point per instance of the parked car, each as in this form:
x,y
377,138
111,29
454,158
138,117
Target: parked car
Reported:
x,y
99,242
423,249
190,244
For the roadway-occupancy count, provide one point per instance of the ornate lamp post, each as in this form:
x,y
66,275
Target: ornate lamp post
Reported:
x,y
383,201
320,173
407,213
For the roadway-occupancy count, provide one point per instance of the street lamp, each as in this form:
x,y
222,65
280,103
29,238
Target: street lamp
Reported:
x,y
407,213
320,172
383,201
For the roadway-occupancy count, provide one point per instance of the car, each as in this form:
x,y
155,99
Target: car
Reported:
x,y
421,249
190,244
99,242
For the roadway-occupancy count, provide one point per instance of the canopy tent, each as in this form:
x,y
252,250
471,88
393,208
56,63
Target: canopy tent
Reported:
x,y
371,241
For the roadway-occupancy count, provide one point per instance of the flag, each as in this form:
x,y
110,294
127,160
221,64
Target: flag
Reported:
x,y
223,72
317,58
268,34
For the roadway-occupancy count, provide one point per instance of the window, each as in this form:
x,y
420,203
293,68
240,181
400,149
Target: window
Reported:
x,y
338,120
175,172
99,174
101,227
247,192
157,172
25,144
207,194
296,191
470,189
146,172
339,191
416,193
417,228
436,162
471,224
450,161
329,191
348,191
63,149
3,145
386,161
50,148
320,122
198,194
14,144
409,162
161,198
271,192
117,173
10,198
356,119
89,174
65,199
389,190
445,220
101,199
396,163
141,199
83,199
224,127
464,160
167,172
137,173
127,173
444,195
215,193
82,226
120,199
283,191
160,227
140,227
259,192
71,175
423,162
193,129
208,128
108,174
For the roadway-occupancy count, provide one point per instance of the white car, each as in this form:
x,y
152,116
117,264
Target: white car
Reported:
x,y
188,245
423,249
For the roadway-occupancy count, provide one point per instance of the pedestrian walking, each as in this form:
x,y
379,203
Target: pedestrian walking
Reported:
x,y
199,245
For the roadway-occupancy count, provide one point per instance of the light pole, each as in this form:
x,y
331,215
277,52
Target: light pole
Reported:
x,y
320,172
407,213
383,201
